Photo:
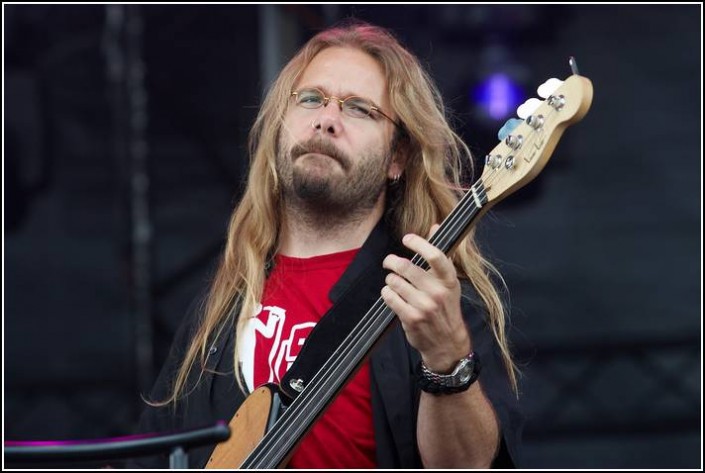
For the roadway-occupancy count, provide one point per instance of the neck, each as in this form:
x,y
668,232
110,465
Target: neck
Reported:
x,y
305,234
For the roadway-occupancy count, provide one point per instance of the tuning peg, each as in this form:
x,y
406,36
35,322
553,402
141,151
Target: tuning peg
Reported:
x,y
508,128
528,107
547,88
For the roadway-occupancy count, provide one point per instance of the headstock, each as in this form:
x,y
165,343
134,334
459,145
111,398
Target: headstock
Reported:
x,y
523,154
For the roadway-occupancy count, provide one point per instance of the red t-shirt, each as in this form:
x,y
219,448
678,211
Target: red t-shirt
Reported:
x,y
295,298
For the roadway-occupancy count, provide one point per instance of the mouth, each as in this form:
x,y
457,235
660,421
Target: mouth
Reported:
x,y
324,150
317,154
321,161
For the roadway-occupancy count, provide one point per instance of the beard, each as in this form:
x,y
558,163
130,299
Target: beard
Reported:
x,y
320,180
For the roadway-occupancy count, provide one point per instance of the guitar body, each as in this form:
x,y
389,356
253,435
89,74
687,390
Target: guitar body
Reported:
x,y
247,427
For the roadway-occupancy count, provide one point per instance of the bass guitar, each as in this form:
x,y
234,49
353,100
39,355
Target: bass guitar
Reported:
x,y
264,435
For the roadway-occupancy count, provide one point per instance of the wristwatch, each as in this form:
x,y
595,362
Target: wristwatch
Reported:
x,y
464,374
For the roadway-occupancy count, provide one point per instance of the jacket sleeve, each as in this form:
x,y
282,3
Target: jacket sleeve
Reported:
x,y
395,395
494,380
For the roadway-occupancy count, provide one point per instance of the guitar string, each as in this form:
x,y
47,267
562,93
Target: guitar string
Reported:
x,y
378,307
351,347
375,320
378,312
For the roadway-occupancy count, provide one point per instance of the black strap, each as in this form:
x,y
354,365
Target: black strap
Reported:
x,y
342,317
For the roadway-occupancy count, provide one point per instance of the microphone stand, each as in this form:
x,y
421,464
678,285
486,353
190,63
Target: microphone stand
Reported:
x,y
177,443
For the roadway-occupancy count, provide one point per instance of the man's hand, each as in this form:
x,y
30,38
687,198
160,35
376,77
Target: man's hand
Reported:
x,y
428,304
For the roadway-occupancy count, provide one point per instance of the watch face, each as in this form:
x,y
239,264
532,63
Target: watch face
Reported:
x,y
465,373
462,377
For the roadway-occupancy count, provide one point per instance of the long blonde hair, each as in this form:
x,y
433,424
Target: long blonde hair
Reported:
x,y
431,189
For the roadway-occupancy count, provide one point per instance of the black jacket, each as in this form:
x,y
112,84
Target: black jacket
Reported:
x,y
393,367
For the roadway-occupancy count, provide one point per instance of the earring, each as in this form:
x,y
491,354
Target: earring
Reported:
x,y
395,178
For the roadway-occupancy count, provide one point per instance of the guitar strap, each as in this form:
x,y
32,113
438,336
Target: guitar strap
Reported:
x,y
358,289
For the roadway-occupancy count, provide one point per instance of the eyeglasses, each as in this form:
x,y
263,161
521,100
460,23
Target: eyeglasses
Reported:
x,y
356,107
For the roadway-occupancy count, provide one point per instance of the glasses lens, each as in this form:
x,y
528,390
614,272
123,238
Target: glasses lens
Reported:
x,y
309,98
357,107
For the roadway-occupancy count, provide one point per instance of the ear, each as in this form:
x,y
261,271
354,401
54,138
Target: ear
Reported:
x,y
396,168
400,153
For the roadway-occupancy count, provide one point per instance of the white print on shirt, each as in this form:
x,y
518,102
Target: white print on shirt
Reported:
x,y
283,349
289,349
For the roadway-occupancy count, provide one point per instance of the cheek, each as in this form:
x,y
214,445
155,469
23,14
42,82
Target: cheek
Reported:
x,y
296,126
285,132
380,147
288,135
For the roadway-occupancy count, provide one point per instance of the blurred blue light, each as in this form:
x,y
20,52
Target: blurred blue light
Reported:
x,y
498,95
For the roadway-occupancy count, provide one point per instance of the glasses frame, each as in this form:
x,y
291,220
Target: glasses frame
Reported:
x,y
341,102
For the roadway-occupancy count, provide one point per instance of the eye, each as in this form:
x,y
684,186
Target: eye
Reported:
x,y
357,107
309,98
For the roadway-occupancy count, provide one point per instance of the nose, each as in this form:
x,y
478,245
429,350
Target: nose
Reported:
x,y
329,120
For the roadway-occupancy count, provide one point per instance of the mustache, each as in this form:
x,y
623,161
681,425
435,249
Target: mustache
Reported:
x,y
319,146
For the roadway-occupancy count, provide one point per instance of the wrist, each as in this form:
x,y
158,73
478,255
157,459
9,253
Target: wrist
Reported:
x,y
462,376
445,362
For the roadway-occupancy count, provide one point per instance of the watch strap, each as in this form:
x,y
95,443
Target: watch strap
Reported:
x,y
455,382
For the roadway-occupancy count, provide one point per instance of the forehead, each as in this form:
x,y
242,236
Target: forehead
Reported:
x,y
346,71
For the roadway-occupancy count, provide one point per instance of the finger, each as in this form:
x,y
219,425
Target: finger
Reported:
x,y
416,275
433,230
400,307
421,300
439,263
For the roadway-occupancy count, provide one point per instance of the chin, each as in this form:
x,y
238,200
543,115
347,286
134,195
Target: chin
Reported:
x,y
310,187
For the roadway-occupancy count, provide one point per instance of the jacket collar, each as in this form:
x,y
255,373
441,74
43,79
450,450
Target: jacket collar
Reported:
x,y
375,248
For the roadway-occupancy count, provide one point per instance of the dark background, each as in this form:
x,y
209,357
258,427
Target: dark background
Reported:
x,y
124,150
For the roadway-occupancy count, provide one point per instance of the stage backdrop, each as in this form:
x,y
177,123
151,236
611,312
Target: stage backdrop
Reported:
x,y
125,150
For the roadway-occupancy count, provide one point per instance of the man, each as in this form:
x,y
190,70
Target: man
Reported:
x,y
353,163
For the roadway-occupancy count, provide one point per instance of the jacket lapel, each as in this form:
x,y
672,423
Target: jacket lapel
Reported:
x,y
396,396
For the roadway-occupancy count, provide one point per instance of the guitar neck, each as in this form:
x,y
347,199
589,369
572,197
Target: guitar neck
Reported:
x,y
277,444
458,221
